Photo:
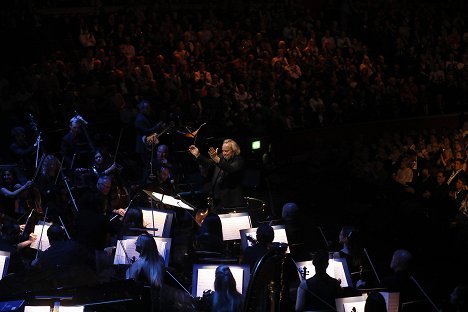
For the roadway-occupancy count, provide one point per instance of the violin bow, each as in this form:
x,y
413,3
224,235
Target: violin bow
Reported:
x,y
118,145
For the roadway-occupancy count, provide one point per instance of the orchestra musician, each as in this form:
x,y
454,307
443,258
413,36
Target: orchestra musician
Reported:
x,y
51,188
226,182
149,269
104,166
145,125
91,227
265,236
75,145
15,198
225,296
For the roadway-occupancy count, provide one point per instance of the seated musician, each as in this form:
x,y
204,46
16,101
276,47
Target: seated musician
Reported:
x,y
265,236
62,251
11,241
225,296
11,195
320,291
103,166
210,235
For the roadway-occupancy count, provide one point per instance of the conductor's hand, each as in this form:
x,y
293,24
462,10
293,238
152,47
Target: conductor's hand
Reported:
x,y
194,151
214,154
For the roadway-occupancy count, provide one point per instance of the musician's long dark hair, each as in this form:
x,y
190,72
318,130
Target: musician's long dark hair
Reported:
x,y
226,298
150,265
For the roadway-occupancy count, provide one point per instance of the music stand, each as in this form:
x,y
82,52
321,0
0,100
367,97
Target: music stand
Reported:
x,y
4,260
280,236
42,241
169,200
126,253
232,223
158,222
392,299
204,277
349,304
337,268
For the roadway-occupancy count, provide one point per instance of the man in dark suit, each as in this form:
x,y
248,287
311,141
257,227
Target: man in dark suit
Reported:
x,y
226,182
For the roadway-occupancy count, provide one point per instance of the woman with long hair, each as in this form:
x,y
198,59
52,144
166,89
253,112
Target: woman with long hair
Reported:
x,y
225,298
149,267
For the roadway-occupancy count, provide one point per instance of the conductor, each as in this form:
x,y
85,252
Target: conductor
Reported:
x,y
226,182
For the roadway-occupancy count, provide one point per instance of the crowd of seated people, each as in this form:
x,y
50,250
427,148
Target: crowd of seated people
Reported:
x,y
260,70
253,74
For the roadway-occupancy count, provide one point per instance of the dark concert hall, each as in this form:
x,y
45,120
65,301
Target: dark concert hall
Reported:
x,y
234,156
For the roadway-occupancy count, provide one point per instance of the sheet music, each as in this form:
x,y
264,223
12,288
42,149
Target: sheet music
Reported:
x,y
206,278
280,235
335,269
37,309
126,250
3,265
348,303
171,201
232,223
42,242
71,309
354,306
159,221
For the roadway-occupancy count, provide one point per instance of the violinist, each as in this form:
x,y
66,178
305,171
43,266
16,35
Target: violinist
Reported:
x,y
50,185
162,169
14,197
261,245
104,166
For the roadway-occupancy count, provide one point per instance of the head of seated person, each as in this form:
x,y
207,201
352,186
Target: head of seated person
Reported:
x,y
320,261
55,233
265,234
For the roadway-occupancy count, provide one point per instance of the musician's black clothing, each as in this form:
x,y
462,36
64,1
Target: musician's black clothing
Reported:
x,y
254,253
324,287
226,182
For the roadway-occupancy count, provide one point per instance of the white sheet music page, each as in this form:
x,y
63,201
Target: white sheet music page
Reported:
x,y
171,201
206,278
161,248
126,252
234,222
347,304
42,241
354,306
158,222
334,269
3,265
71,309
36,308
